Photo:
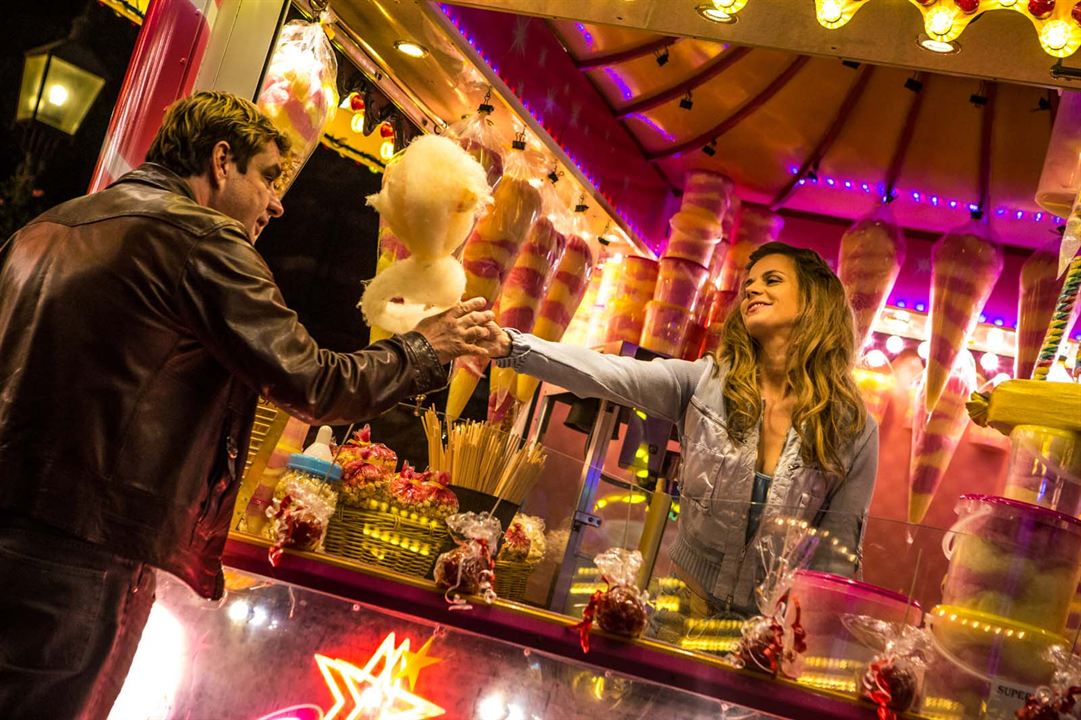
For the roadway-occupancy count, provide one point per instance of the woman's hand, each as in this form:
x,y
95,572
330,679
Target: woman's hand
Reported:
x,y
499,343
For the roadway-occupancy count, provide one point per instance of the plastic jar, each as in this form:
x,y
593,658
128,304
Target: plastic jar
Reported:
x,y
835,658
1012,560
304,501
1045,468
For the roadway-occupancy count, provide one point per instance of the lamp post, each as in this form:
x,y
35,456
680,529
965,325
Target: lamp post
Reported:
x,y
60,82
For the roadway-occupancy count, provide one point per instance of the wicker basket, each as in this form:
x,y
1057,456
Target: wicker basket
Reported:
x,y
511,577
382,534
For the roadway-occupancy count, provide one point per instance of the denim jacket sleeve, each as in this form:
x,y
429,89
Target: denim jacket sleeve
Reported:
x,y
847,508
661,388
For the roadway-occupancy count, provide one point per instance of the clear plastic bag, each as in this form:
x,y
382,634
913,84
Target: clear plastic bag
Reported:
x,y
768,643
622,608
893,680
478,136
298,517
430,198
469,568
300,90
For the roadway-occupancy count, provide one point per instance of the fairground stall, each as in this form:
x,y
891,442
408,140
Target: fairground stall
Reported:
x,y
501,549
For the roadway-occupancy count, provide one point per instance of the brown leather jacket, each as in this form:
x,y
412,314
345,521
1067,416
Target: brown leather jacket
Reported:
x,y
136,329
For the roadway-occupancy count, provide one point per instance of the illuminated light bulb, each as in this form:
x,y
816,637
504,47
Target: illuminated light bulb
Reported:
x,y
831,13
58,95
357,123
876,358
386,150
989,361
1058,37
238,611
996,338
1007,3
940,22
410,48
999,379
894,344
923,349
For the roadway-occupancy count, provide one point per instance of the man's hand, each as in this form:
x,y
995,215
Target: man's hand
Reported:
x,y
462,330
498,342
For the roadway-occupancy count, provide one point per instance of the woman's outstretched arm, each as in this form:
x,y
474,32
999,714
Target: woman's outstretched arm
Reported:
x,y
660,388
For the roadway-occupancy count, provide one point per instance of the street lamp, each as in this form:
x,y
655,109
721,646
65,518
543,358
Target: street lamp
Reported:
x,y
60,81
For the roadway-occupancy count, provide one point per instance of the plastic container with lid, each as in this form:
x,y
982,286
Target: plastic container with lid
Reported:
x,y
304,501
835,658
1045,468
976,652
1012,560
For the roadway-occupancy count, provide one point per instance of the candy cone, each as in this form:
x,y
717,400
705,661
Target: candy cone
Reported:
x,y
488,256
1040,287
965,264
519,301
754,227
935,439
634,288
561,301
872,252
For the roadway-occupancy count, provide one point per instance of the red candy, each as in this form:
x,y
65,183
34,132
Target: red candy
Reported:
x,y
621,611
968,6
1040,9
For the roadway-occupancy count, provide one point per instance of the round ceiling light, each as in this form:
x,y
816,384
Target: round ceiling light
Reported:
x,y
410,48
710,12
938,46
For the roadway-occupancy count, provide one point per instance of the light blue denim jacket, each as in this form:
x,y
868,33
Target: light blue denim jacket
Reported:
x,y
717,474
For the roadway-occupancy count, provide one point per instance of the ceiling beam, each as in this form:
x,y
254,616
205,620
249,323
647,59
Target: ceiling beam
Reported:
x,y
900,150
738,116
721,63
855,92
612,58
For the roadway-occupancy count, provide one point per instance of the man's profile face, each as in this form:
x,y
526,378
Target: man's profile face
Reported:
x,y
252,197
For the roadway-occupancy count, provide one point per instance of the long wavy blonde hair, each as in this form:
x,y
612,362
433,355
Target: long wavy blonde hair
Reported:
x,y
829,412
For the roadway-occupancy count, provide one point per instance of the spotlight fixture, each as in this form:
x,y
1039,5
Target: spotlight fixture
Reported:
x,y
710,149
1043,104
851,64
942,47
661,56
410,48
687,102
978,99
714,14
913,84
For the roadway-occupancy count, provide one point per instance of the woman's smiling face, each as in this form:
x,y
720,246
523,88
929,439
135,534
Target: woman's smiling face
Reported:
x,y
770,301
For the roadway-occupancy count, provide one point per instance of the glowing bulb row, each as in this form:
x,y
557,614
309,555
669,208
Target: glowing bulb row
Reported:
x,y
1058,28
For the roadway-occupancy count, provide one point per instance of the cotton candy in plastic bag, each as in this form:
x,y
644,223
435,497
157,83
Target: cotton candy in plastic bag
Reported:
x,y
767,644
469,568
478,136
298,517
300,90
621,609
893,680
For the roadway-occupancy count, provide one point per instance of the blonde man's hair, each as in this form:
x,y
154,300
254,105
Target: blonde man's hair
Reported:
x,y
195,124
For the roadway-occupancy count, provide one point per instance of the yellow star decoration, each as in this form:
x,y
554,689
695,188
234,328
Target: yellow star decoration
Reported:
x,y
414,662
378,695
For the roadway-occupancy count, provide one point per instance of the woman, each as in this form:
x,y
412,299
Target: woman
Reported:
x,y
774,420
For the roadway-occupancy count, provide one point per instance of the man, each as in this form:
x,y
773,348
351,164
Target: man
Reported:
x,y
138,326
